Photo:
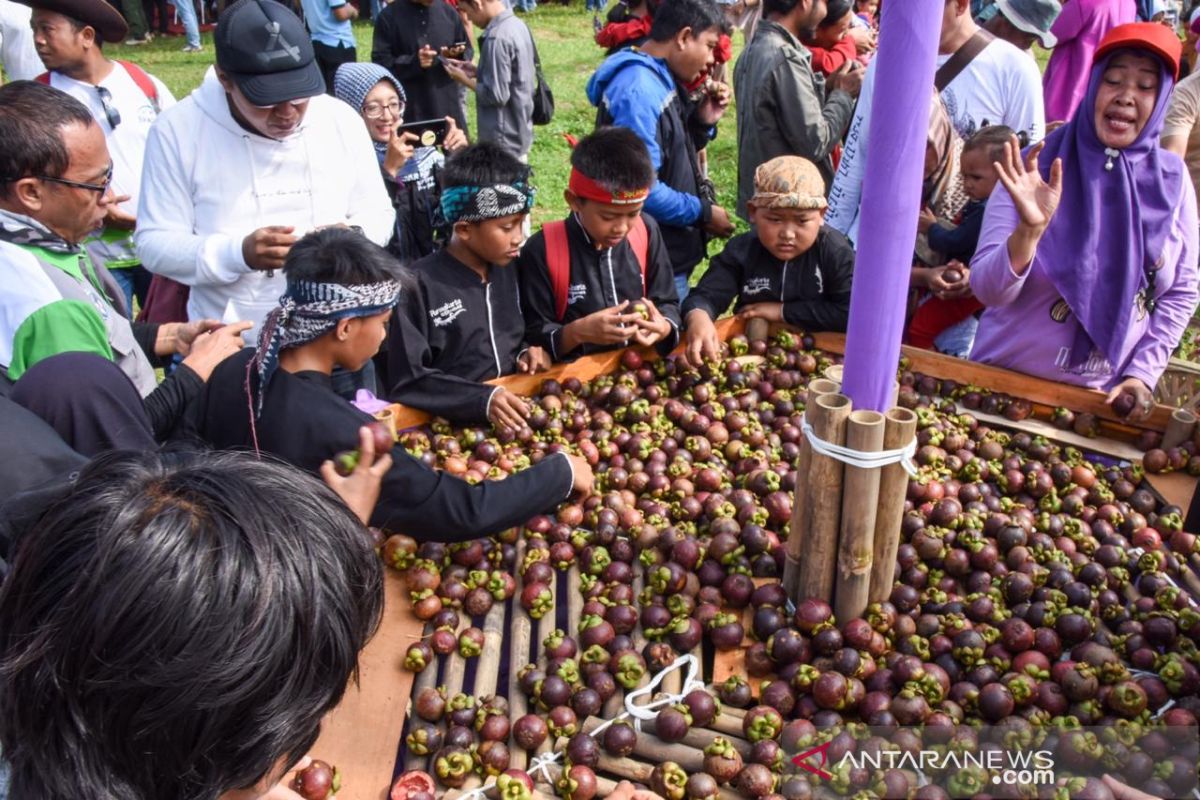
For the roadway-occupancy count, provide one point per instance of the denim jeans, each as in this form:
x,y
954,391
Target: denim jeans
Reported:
x,y
525,5
346,383
596,5
681,286
958,338
134,282
191,26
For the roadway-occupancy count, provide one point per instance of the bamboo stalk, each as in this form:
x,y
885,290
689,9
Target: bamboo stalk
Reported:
x,y
518,656
1179,428
456,665
834,373
541,629
798,528
757,330
640,771
827,414
898,431
860,500
426,679
691,747
487,670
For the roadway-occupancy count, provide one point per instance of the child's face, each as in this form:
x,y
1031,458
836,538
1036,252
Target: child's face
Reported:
x,y
496,241
978,174
786,232
606,224
693,53
829,35
359,338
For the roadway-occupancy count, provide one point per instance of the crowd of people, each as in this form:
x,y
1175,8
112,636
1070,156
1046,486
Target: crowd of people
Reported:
x,y
244,273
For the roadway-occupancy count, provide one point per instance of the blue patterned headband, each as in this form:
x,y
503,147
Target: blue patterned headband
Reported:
x,y
479,203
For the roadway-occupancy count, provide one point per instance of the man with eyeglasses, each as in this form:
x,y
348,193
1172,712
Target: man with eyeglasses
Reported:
x,y
124,100
248,163
56,180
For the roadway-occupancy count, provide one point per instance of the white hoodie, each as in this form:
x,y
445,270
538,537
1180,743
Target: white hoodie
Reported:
x,y
207,183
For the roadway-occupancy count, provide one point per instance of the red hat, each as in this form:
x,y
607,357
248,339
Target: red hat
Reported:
x,y
1153,36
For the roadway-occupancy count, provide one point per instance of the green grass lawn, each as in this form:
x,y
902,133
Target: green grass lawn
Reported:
x,y
569,56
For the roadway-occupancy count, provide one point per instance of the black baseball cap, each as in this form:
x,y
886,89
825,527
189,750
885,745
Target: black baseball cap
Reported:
x,y
264,48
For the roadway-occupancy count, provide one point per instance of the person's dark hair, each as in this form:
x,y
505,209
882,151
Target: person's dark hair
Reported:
x,y
673,16
32,116
780,7
993,138
177,624
615,158
837,9
483,164
340,255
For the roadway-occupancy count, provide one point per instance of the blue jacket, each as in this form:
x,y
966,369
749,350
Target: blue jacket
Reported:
x,y
637,91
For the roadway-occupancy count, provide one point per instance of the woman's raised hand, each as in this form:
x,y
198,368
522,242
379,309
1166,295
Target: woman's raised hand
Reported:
x,y
1034,198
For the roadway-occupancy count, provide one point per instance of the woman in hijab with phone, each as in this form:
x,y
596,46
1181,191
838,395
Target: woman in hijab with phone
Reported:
x,y
410,156
1087,258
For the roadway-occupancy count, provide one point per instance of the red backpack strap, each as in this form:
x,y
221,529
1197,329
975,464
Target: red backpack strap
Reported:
x,y
558,262
639,240
143,82
43,78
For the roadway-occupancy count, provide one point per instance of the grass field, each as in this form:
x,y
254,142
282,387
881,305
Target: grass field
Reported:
x,y
569,56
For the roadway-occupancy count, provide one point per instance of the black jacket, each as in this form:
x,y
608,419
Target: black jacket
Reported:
x,y
960,242
451,332
814,288
304,423
400,30
599,279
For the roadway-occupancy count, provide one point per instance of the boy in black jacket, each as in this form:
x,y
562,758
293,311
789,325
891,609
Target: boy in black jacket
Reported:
x,y
341,290
602,278
462,324
790,268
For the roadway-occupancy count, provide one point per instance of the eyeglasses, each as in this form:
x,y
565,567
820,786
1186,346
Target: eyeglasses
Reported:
x,y
110,111
375,110
99,188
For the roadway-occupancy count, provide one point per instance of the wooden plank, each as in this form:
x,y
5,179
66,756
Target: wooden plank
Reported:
x,y
1095,444
362,734
1174,487
1028,387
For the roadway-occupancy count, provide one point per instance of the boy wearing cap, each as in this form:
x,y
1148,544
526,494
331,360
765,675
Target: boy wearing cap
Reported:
x,y
253,159
124,100
791,268
601,278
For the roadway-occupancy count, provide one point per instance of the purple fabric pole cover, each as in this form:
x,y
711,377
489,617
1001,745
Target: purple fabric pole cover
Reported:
x,y
891,198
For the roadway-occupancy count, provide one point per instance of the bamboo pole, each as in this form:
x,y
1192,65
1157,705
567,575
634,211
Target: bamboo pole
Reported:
x,y
518,656
541,629
426,679
798,529
899,428
757,330
860,500
604,786
1179,428
487,670
827,414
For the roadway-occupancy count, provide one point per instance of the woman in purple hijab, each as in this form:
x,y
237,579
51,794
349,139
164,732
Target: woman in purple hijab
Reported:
x,y
1087,258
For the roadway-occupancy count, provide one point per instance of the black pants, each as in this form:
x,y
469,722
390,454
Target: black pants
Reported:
x,y
88,401
330,58
150,7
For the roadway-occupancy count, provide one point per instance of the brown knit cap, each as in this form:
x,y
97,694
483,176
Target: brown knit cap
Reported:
x,y
788,182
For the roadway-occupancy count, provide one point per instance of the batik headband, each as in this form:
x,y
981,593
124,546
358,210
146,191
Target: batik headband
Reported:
x,y
583,186
308,310
788,182
479,203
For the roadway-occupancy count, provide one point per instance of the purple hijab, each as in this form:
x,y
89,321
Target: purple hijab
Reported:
x,y
1106,240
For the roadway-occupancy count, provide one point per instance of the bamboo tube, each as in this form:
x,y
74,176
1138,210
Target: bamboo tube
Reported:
x,y
616,704
728,725
691,747
834,373
860,500
574,599
1179,428
827,414
492,792
518,656
757,330
798,529
456,666
640,771
898,431
426,679
487,670
541,629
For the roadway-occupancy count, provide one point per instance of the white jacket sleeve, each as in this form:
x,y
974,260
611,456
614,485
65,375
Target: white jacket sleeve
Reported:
x,y
370,207
846,191
165,238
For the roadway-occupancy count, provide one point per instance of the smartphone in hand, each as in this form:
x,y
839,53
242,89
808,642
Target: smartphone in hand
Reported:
x,y
430,132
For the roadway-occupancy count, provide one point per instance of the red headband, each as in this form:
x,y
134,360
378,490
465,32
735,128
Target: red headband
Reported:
x,y
583,186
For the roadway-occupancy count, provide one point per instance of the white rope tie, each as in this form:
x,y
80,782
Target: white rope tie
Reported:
x,y
858,458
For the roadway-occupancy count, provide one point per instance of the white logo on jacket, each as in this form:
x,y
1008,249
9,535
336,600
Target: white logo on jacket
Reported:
x,y
756,286
576,292
443,315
